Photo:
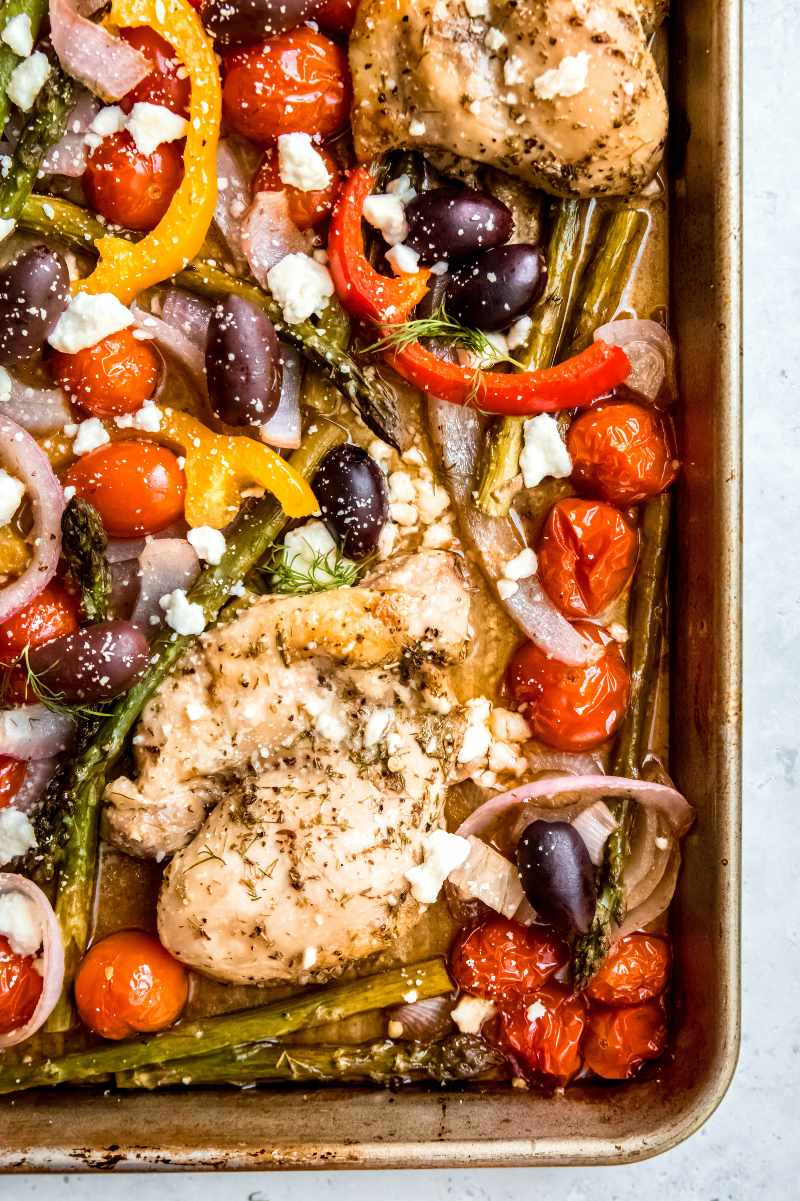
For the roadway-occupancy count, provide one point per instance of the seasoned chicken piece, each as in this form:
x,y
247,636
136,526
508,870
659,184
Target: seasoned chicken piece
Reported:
x,y
326,774
562,93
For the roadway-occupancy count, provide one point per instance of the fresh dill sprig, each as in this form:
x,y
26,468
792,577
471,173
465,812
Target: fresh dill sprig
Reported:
x,y
439,325
54,701
296,576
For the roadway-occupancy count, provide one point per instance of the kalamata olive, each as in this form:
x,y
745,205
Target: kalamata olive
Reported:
x,y
243,363
34,292
94,664
495,287
451,223
351,493
237,22
557,874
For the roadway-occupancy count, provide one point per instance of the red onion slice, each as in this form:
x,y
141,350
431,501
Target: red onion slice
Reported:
x,y
487,876
122,550
37,410
656,903
174,343
23,458
422,1021
38,775
268,234
187,313
284,428
649,348
68,156
594,826
233,198
34,732
52,966
164,565
105,64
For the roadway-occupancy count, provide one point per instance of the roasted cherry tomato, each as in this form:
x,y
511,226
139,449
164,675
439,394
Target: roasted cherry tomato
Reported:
x,y
20,988
636,969
506,961
132,189
621,452
128,984
115,376
587,553
337,16
620,1038
306,209
136,487
168,82
51,614
544,1032
297,82
12,773
571,708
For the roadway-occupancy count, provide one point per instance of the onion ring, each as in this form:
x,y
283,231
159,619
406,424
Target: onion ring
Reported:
x,y
52,957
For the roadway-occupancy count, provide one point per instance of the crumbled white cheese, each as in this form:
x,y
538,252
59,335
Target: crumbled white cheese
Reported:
x,y
442,853
513,70
403,260
148,418
543,453
7,226
503,757
16,835
432,500
300,164
301,287
495,40
440,268
477,738
309,958
387,540
87,320
91,434
195,711
478,8
438,536
327,715
182,615
12,491
152,124
519,333
111,119
472,1012
507,588
661,842
27,80
18,34
522,566
5,385
496,348
417,128
310,550
509,726
208,542
403,513
401,487
388,215
535,1011
20,923
567,79
376,726
402,188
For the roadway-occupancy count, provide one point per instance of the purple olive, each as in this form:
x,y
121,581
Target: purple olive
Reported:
x,y
96,663
494,288
453,222
243,363
351,492
237,22
34,292
557,874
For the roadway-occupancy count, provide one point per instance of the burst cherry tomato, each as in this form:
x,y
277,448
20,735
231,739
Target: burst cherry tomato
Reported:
x,y
620,1039
621,452
136,487
128,984
294,83
337,16
571,708
115,376
20,988
306,209
51,614
132,189
12,773
544,1032
637,969
505,961
587,553
168,81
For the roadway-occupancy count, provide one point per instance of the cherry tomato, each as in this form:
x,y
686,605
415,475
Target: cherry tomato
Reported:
x,y
544,1032
294,83
20,988
306,209
571,708
621,452
12,773
51,614
115,376
168,82
506,961
337,16
132,189
587,553
636,969
619,1039
136,487
127,983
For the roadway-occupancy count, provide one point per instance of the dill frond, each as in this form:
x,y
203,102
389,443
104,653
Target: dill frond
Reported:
x,y
54,701
326,571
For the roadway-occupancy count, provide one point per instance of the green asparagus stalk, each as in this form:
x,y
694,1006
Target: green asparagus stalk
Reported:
x,y
607,275
461,1057
210,1035
35,11
44,127
83,548
647,623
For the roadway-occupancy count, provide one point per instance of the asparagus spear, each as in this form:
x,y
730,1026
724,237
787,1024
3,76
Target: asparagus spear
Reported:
x,y
607,275
44,127
83,547
460,1057
35,11
216,1034
647,621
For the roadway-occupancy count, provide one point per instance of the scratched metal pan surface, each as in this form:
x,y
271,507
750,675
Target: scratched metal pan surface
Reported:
x,y
67,1130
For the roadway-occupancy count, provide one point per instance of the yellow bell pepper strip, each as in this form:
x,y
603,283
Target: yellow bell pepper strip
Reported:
x,y
127,269
14,552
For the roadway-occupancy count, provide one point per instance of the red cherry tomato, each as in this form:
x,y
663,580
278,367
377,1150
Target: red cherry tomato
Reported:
x,y
587,553
132,189
52,614
136,487
337,16
621,452
12,773
544,1032
297,82
571,708
636,969
20,988
620,1039
115,376
127,983
168,82
505,961
306,209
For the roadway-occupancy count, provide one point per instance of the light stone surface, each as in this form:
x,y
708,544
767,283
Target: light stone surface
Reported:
x,y
750,1149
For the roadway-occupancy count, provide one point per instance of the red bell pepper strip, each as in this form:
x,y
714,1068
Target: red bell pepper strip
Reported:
x,y
363,291
573,384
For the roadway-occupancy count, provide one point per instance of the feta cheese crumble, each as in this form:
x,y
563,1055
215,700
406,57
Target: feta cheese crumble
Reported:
x,y
12,491
478,8
311,551
535,1011
208,542
18,34
477,737
182,615
522,566
309,958
417,129
442,853
543,453
300,164
91,434
20,923
7,225
514,70
388,215
495,40
27,80
301,287
111,119
519,333
403,260
87,320
567,79
471,1013
150,125
16,835
402,188
148,419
